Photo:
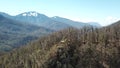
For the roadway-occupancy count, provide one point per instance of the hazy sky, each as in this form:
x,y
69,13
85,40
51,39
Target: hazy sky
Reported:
x,y
103,11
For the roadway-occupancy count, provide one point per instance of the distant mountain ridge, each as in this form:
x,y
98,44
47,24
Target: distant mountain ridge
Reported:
x,y
55,23
70,22
94,24
75,24
35,18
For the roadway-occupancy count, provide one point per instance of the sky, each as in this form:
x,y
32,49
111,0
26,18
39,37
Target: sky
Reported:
x,y
104,12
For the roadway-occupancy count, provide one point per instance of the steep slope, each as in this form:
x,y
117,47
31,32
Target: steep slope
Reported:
x,y
14,33
75,24
71,48
35,18
5,15
70,22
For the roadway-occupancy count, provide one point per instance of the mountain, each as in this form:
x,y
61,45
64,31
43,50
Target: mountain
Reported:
x,y
14,33
70,48
75,23
70,22
35,18
32,17
94,24
54,23
5,15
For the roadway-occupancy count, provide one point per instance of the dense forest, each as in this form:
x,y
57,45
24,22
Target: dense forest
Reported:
x,y
69,48
14,34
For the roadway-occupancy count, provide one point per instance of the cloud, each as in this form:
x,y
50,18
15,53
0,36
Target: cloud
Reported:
x,y
111,19
104,21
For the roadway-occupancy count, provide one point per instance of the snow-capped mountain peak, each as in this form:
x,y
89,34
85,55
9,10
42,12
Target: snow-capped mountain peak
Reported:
x,y
32,13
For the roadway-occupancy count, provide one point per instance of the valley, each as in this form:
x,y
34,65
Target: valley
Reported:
x,y
69,48
28,26
34,40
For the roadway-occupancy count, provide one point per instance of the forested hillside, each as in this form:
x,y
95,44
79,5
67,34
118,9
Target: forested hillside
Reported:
x,y
14,33
70,48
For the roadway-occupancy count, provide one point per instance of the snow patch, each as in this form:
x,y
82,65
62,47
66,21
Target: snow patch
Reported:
x,y
24,14
30,14
33,14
